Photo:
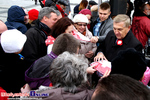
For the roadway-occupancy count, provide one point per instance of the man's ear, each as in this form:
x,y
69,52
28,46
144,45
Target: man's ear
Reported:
x,y
45,18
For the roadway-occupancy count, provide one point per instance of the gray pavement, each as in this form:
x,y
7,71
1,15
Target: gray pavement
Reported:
x,y
5,4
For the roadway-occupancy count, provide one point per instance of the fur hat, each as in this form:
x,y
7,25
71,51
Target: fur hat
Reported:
x,y
129,62
33,14
80,18
12,41
85,12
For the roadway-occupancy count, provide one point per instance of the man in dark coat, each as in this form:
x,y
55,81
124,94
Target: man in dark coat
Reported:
x,y
35,46
120,38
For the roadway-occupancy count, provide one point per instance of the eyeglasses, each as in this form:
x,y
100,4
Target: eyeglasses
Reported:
x,y
82,24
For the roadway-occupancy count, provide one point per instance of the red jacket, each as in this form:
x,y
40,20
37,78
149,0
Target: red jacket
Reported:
x,y
141,28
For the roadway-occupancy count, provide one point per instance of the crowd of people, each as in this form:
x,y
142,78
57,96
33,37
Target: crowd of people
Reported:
x,y
50,53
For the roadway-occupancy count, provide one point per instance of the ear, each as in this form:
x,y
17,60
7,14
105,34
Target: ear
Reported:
x,y
45,18
129,27
109,12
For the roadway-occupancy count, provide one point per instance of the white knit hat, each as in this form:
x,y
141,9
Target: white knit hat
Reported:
x,y
12,41
80,18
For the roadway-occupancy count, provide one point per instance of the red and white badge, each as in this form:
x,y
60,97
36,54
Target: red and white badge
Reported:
x,y
119,42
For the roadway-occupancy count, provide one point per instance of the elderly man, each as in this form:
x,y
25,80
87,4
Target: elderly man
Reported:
x,y
35,46
120,38
103,24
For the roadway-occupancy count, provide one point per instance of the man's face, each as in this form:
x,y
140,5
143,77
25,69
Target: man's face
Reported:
x,y
80,26
147,10
26,17
52,20
104,14
119,30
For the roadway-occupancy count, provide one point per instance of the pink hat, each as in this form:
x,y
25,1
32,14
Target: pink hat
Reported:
x,y
33,14
85,12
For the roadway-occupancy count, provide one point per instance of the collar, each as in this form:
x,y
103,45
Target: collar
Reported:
x,y
43,27
52,55
125,40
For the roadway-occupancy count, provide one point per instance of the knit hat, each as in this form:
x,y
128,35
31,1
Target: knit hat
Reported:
x,y
80,18
12,41
85,12
129,62
33,14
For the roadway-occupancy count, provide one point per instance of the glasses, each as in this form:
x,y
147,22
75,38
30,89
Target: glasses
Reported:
x,y
82,24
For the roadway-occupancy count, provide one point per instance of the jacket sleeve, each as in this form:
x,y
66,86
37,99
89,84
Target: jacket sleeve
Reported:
x,y
108,26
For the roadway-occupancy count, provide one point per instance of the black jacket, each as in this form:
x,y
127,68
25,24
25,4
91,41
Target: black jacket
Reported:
x,y
35,46
111,49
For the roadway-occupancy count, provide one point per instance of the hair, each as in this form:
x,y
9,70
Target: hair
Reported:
x,y
129,62
60,26
58,13
104,6
83,4
143,7
120,87
122,18
69,71
65,42
46,11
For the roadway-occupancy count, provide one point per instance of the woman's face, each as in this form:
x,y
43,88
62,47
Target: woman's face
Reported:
x,y
69,29
81,27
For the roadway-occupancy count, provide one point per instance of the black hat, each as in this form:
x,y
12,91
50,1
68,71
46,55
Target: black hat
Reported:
x,y
63,2
129,62
92,3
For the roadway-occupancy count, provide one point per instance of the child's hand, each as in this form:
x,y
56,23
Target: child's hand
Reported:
x,y
90,70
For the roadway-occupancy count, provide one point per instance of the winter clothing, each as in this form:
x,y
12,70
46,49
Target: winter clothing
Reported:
x,y
38,73
92,3
60,94
129,62
11,72
110,49
146,78
104,28
12,41
80,18
62,2
33,14
49,3
15,19
141,28
85,12
87,45
35,46
76,9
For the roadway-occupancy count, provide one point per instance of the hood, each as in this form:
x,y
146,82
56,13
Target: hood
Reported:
x,y
38,72
16,14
